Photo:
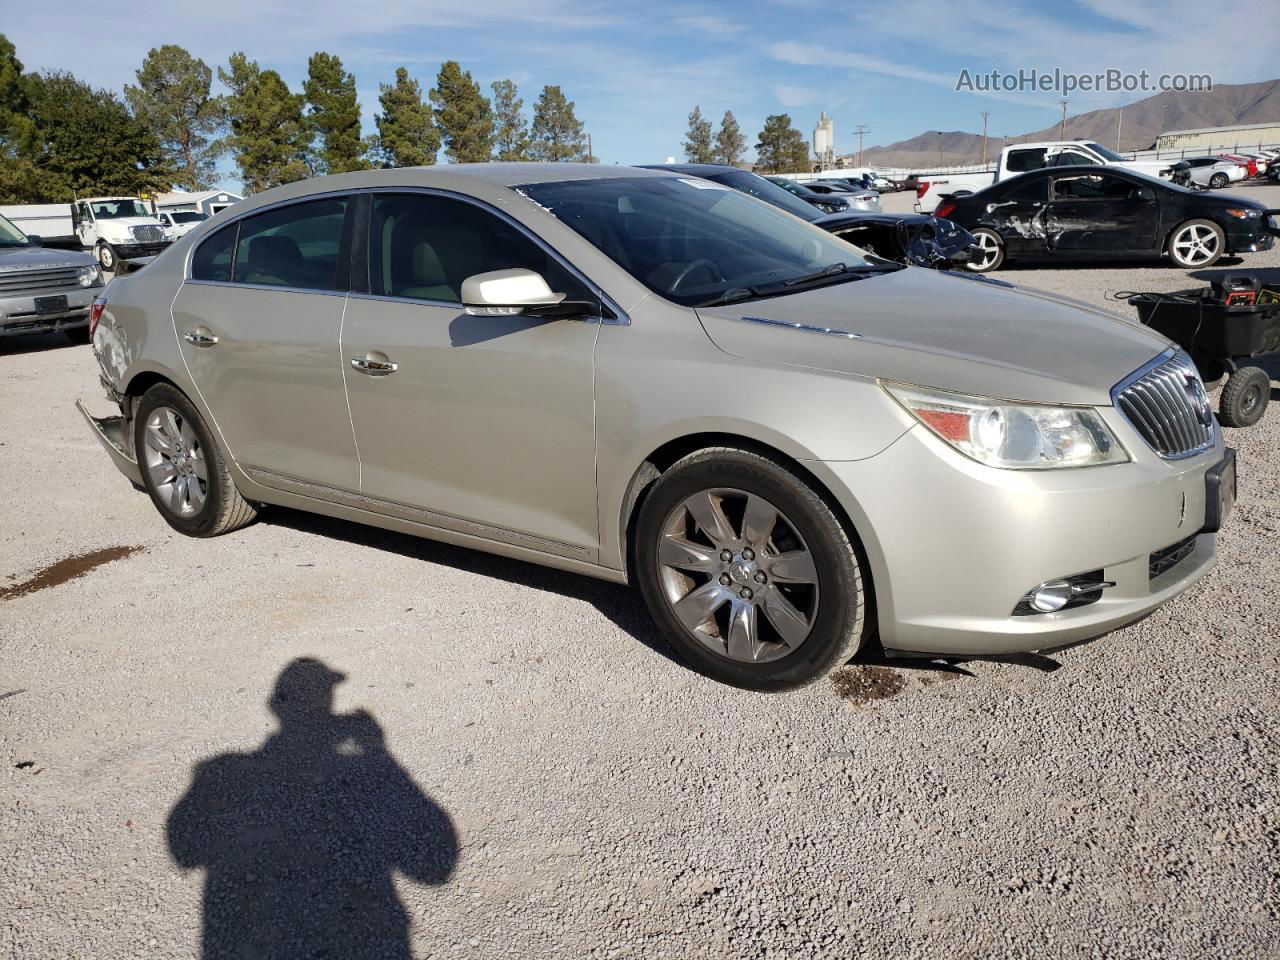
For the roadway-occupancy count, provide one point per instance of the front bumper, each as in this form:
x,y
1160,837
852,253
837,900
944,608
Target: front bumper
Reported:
x,y
127,251
955,545
18,315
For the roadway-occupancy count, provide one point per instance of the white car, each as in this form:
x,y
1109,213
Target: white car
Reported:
x,y
1213,172
179,223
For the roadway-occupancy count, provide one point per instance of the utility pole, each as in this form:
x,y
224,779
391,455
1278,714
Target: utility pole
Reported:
x,y
985,114
1119,125
940,135
590,155
1062,131
862,132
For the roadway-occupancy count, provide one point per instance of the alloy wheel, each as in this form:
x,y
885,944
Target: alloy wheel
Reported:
x,y
175,462
1196,244
988,250
738,575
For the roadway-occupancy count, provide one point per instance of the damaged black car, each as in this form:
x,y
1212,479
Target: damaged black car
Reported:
x,y
1094,213
916,239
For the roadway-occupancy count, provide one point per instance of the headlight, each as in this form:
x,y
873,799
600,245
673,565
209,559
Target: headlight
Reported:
x,y
1014,436
1243,213
90,276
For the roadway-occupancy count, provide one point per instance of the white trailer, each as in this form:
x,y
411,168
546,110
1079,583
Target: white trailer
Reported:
x,y
51,222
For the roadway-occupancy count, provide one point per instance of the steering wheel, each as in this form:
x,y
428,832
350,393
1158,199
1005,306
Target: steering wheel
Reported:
x,y
691,266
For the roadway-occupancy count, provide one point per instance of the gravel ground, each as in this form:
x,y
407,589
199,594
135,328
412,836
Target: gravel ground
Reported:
x,y
514,765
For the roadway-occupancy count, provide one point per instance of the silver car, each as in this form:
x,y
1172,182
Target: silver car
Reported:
x,y
41,289
790,446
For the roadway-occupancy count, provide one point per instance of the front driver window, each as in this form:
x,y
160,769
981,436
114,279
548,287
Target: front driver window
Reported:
x,y
422,246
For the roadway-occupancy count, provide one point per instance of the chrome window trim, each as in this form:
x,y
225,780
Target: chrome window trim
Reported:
x,y
621,318
266,286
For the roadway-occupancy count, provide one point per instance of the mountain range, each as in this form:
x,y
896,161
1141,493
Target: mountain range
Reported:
x,y
1136,125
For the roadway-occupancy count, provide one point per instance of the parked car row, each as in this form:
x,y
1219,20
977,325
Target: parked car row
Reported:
x,y
888,425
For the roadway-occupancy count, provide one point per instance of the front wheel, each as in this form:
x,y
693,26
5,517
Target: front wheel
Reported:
x,y
987,253
1219,180
183,469
748,572
106,257
1196,244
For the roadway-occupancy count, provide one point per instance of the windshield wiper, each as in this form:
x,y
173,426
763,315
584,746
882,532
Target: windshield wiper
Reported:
x,y
831,270
733,295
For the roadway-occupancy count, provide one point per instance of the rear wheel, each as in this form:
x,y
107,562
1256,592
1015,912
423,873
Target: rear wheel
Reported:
x,y
748,572
1244,397
1196,243
988,253
1219,180
183,469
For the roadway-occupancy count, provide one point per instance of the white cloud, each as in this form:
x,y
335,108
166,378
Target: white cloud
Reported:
x,y
792,96
710,23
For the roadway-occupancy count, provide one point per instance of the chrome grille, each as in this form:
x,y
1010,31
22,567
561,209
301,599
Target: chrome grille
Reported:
x,y
1166,402
148,234
39,280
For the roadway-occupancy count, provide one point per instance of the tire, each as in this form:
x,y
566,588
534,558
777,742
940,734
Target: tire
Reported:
x,y
1218,181
78,334
214,506
793,626
989,254
1244,397
1196,244
107,258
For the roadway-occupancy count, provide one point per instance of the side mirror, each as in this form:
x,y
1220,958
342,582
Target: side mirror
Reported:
x,y
35,240
505,293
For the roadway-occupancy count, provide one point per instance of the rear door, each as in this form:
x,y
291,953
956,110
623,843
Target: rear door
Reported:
x,y
1018,215
258,324
1101,212
484,425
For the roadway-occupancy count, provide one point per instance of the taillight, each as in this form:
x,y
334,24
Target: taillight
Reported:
x,y
944,209
921,187
95,314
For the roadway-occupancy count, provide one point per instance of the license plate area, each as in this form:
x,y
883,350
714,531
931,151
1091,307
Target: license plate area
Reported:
x,y
48,305
1219,492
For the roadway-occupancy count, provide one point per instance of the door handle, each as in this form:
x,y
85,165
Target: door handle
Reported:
x,y
199,338
374,368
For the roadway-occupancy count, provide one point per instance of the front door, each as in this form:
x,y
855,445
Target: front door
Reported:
x,y
258,324
483,425
1101,212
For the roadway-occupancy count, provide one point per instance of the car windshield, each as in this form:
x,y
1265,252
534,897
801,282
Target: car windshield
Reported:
x,y
1109,155
695,242
768,191
11,236
188,216
114,209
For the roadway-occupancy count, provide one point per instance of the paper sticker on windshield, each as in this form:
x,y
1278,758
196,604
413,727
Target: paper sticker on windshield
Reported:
x,y
703,184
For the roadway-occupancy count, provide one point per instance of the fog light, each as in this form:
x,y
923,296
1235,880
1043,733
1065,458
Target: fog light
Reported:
x,y
1050,597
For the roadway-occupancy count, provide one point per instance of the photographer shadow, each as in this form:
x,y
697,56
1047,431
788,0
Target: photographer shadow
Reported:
x,y
300,840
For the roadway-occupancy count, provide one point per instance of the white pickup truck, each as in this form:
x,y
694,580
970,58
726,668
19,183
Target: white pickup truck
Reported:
x,y
1021,157
118,228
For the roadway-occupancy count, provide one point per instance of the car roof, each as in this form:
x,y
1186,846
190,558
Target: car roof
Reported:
x,y
698,168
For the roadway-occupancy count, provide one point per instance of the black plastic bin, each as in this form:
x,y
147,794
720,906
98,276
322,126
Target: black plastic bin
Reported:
x,y
1208,330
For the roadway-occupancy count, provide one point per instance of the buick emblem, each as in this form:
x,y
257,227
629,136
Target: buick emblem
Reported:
x,y
1199,399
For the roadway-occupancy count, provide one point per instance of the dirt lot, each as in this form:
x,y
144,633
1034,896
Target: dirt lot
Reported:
x,y
514,764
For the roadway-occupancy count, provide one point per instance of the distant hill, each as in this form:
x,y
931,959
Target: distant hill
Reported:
x,y
1143,121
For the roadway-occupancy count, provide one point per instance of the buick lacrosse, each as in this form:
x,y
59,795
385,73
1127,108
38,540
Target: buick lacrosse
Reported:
x,y
789,445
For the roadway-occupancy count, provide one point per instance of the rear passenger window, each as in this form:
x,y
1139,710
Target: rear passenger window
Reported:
x,y
294,246
423,246
212,259
1020,161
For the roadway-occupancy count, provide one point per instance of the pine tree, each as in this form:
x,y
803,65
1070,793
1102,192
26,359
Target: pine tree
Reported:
x,y
21,181
511,131
697,145
557,133
334,115
463,115
407,134
269,135
172,100
730,143
782,148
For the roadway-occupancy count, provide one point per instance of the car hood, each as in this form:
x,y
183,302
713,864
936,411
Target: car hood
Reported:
x,y
950,331
22,259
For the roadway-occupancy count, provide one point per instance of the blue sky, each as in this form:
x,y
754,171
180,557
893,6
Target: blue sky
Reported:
x,y
635,70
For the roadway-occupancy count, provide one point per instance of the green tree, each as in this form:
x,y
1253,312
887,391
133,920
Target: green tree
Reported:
x,y
89,142
557,132
407,134
782,148
463,115
172,99
697,144
269,135
511,131
20,179
334,115
730,143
